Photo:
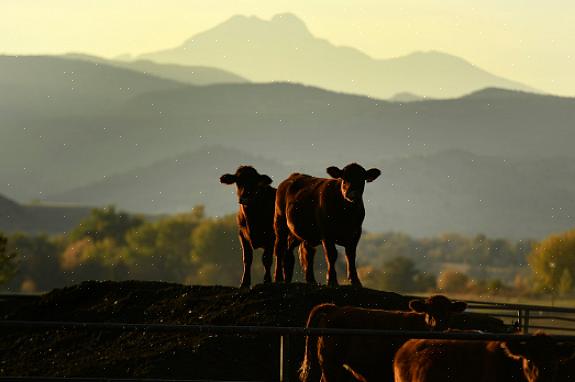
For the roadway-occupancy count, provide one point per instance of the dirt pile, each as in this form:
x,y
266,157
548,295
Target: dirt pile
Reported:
x,y
89,353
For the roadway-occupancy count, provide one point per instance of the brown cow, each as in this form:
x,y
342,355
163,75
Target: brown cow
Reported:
x,y
255,217
534,360
333,357
321,211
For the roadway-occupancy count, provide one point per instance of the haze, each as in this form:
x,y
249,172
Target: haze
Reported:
x,y
526,41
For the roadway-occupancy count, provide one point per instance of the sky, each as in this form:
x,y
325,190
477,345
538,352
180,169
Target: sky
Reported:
x,y
530,41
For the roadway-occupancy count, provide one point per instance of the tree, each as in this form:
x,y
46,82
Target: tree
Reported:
x,y
8,265
106,223
565,282
452,281
39,262
163,249
216,252
398,274
550,260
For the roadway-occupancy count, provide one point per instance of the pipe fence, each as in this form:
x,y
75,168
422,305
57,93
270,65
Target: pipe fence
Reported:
x,y
521,318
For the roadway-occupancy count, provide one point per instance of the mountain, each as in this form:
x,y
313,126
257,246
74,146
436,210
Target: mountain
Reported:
x,y
39,218
73,140
283,49
176,184
193,75
449,191
32,85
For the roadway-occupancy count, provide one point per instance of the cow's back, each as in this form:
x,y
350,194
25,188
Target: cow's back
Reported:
x,y
298,201
314,210
421,360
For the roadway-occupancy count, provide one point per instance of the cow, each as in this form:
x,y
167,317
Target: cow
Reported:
x,y
255,217
320,211
536,359
331,358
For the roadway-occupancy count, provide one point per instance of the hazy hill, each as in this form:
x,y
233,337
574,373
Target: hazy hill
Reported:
x,y
194,75
45,84
39,218
61,148
283,49
176,184
451,191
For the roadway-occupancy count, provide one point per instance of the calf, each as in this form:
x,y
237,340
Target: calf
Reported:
x,y
255,217
536,359
333,357
316,210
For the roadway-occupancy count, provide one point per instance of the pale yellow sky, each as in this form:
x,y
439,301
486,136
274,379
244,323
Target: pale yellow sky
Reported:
x,y
531,41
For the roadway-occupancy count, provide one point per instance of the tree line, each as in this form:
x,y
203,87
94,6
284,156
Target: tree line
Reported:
x,y
193,248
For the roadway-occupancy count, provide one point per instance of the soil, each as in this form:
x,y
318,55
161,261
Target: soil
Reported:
x,y
171,355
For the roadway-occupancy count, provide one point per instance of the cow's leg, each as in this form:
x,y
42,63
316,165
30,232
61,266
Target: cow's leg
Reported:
x,y
331,358
350,254
306,256
330,253
267,261
280,246
289,260
248,255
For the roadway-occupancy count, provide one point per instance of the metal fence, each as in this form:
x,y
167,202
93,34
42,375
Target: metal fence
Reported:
x,y
526,318
558,321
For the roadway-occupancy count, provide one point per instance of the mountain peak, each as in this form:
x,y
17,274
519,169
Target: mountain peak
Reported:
x,y
288,19
280,23
500,93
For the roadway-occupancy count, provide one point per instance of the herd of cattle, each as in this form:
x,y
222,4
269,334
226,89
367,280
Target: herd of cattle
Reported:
x,y
306,211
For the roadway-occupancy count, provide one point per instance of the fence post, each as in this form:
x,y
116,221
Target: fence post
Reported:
x,y
285,358
526,321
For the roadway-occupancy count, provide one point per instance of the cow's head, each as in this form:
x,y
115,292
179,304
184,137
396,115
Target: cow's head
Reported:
x,y
249,183
353,178
540,356
438,310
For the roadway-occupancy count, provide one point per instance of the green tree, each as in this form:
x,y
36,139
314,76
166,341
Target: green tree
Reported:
x,y
106,223
550,259
217,252
163,249
398,274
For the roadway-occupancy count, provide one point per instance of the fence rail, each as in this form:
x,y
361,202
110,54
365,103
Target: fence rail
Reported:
x,y
272,330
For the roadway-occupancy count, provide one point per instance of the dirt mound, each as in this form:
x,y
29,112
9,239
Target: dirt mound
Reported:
x,y
86,353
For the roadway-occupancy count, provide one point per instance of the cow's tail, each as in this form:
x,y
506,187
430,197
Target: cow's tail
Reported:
x,y
355,374
309,370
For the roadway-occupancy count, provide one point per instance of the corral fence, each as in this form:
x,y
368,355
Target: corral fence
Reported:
x,y
557,321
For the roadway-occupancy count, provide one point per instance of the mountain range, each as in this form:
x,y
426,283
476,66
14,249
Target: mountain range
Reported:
x,y
155,138
283,49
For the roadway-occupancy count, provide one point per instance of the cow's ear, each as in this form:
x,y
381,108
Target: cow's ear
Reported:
x,y
458,306
372,174
515,349
418,306
265,180
334,172
228,179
